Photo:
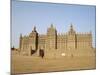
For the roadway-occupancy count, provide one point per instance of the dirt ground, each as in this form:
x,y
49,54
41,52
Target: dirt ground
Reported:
x,y
30,64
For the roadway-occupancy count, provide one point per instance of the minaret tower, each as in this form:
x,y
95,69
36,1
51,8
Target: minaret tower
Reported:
x,y
71,39
51,39
33,37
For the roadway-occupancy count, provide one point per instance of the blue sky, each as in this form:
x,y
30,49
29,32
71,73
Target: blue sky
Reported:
x,y
26,15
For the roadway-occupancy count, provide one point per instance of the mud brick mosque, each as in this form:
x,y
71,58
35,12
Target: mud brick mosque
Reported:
x,y
54,45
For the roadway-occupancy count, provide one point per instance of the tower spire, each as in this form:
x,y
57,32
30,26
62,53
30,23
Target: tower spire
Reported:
x,y
71,27
71,31
34,29
51,25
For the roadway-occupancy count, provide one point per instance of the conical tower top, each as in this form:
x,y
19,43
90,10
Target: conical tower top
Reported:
x,y
71,31
51,25
34,29
71,27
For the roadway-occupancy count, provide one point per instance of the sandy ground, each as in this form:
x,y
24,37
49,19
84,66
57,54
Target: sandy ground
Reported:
x,y
30,64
